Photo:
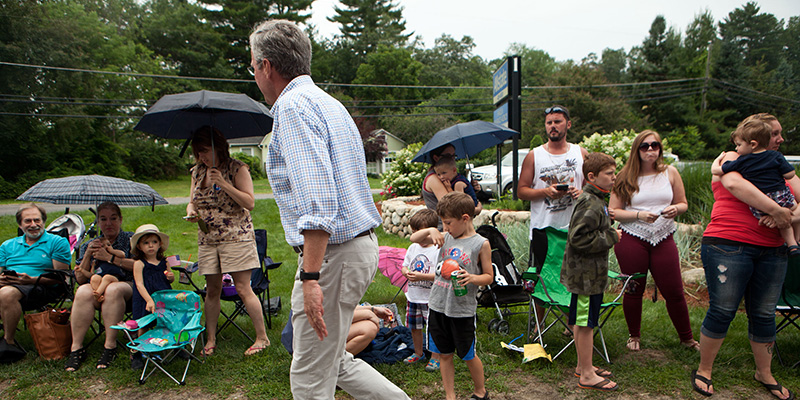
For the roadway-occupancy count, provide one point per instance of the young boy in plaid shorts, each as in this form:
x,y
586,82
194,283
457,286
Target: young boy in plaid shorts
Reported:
x,y
418,268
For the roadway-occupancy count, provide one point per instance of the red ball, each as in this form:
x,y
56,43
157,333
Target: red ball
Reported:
x,y
448,267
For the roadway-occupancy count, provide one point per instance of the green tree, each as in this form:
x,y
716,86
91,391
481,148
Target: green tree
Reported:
x,y
388,66
614,65
451,63
235,19
367,24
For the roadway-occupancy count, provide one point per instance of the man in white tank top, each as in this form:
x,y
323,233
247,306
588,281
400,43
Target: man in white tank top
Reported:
x,y
551,178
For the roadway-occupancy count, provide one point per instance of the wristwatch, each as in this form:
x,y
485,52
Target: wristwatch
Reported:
x,y
308,276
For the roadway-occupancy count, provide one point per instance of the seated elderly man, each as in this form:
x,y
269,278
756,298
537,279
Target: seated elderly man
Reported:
x,y
22,260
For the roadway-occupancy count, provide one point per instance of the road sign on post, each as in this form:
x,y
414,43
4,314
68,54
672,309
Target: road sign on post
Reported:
x,y
507,84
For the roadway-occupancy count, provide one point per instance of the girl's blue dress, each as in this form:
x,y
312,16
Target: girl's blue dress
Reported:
x,y
154,280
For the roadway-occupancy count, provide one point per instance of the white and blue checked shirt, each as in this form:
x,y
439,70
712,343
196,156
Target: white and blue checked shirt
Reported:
x,y
316,166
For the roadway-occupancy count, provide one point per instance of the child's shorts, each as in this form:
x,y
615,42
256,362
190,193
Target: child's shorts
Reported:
x,y
584,310
448,335
783,197
416,315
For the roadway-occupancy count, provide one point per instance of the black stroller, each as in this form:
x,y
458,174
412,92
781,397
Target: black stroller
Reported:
x,y
507,290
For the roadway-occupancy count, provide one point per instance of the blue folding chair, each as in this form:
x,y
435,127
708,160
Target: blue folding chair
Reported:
x,y
177,327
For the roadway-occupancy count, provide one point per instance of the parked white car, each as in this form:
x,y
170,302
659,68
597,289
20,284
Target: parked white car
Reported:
x,y
487,174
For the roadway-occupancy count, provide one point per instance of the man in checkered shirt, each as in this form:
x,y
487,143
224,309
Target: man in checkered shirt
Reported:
x,y
317,171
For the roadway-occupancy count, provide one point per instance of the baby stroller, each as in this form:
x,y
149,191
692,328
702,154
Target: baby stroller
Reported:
x,y
507,290
69,226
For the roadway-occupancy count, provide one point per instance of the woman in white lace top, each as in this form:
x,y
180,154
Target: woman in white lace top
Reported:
x,y
646,198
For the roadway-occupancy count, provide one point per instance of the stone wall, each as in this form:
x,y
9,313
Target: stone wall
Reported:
x,y
397,212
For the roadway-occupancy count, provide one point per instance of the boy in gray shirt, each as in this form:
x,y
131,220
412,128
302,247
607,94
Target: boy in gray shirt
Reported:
x,y
451,322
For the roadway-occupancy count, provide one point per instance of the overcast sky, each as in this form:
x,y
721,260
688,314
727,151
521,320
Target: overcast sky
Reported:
x,y
565,29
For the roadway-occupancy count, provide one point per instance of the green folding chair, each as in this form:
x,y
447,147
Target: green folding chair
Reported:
x,y
789,303
554,297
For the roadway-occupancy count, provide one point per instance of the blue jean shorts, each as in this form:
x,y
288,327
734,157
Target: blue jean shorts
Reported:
x,y
734,272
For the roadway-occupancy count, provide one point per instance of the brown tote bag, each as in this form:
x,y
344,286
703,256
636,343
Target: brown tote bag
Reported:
x,y
50,332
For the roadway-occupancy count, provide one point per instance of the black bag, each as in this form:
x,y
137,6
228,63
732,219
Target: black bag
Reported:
x,y
10,353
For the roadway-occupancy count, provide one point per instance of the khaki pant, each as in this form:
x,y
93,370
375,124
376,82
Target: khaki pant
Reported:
x,y
318,366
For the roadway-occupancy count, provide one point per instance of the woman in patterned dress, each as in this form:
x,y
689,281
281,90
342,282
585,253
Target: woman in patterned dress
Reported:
x,y
221,200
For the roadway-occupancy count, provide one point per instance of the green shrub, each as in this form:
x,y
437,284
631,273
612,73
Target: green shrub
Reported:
x,y
617,144
405,177
506,203
696,178
256,167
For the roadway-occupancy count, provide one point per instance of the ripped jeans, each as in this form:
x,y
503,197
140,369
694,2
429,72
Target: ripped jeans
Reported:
x,y
734,272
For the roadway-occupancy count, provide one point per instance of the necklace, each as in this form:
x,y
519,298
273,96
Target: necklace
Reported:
x,y
550,155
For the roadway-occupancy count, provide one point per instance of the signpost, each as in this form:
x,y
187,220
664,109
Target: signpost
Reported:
x,y
506,89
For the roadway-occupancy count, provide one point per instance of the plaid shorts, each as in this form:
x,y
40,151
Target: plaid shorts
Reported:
x,y
416,315
783,197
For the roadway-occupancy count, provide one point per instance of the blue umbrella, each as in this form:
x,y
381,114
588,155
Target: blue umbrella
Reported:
x,y
469,138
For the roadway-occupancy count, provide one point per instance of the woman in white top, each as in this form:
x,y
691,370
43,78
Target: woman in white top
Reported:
x,y
646,198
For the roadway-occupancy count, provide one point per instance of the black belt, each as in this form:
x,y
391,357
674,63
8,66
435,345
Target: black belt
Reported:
x,y
299,249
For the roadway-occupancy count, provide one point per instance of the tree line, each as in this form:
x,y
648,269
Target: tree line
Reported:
x,y
77,75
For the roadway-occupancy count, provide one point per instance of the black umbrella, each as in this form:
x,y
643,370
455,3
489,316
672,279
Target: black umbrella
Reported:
x,y
469,138
177,116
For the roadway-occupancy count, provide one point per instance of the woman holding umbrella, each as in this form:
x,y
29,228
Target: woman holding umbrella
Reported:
x,y
221,200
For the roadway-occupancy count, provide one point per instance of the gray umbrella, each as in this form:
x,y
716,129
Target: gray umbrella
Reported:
x,y
92,189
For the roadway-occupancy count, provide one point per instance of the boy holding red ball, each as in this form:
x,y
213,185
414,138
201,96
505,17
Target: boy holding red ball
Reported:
x,y
467,264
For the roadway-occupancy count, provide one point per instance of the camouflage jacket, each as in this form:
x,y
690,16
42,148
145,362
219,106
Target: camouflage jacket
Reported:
x,y
585,267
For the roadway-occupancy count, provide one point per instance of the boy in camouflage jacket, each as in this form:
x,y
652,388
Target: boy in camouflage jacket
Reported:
x,y
584,271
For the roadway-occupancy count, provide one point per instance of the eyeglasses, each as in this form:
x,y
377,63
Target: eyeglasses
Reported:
x,y
550,110
450,155
252,70
647,146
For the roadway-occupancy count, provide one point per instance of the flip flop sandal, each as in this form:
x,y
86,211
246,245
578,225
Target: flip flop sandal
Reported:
x,y
253,350
485,396
701,378
776,387
599,372
107,358
599,386
208,351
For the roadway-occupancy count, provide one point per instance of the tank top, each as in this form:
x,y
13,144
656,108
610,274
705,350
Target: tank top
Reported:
x,y
429,197
552,169
227,221
654,194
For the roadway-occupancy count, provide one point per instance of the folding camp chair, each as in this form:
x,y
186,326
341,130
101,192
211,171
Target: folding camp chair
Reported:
x,y
789,303
266,264
554,297
259,281
177,326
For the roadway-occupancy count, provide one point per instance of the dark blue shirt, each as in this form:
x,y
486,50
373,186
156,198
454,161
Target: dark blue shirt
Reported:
x,y
468,190
765,170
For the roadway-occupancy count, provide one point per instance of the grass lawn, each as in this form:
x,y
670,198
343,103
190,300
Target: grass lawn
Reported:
x,y
660,370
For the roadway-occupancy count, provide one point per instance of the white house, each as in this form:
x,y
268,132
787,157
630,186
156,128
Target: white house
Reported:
x,y
257,146
393,145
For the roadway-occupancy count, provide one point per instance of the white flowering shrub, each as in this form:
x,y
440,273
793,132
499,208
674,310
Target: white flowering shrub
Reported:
x,y
405,177
617,144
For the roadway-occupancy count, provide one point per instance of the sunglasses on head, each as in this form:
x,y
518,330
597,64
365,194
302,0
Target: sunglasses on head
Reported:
x,y
647,146
550,110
